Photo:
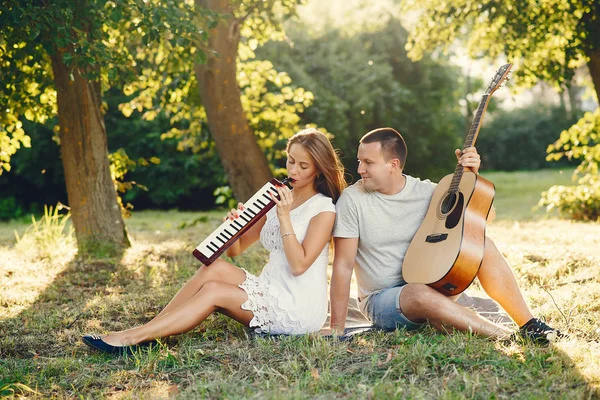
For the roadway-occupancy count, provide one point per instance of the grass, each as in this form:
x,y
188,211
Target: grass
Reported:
x,y
518,193
48,301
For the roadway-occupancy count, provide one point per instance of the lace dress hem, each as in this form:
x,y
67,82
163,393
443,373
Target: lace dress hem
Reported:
x,y
267,303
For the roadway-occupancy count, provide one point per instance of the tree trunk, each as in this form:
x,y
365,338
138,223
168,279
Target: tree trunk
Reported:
x,y
244,162
594,67
95,212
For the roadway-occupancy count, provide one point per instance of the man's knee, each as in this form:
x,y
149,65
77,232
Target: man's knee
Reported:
x,y
416,300
414,292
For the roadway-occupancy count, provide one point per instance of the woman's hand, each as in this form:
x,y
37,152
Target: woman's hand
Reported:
x,y
233,214
251,235
284,204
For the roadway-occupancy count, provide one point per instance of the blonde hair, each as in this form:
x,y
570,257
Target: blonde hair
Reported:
x,y
330,181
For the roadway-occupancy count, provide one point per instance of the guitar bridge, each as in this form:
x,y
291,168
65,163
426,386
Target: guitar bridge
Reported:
x,y
436,237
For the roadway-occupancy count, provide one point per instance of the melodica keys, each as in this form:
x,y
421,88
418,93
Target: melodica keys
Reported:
x,y
229,231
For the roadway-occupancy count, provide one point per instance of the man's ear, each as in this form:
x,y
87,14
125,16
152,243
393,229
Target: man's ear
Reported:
x,y
395,163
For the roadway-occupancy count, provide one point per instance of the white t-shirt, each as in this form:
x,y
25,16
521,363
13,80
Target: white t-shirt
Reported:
x,y
385,226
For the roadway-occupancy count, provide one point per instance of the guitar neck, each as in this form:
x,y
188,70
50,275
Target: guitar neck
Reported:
x,y
471,138
477,119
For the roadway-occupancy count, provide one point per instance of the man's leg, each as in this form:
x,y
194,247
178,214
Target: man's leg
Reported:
x,y
383,310
498,281
420,303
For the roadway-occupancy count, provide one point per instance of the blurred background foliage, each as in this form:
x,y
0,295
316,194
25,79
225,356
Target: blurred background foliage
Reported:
x,y
517,139
580,142
364,81
345,79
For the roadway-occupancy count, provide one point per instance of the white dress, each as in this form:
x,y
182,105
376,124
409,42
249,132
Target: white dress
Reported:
x,y
283,303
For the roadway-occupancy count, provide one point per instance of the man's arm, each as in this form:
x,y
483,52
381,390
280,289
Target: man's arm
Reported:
x,y
343,264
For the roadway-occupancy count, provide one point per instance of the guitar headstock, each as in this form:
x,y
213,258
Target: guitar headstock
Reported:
x,y
499,79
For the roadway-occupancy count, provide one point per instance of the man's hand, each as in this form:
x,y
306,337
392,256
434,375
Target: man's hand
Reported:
x,y
469,158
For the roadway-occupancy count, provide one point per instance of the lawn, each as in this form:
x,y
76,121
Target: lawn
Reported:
x,y
49,297
517,193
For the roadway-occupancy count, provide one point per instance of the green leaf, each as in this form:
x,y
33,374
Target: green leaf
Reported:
x,y
201,57
117,14
68,58
29,114
34,33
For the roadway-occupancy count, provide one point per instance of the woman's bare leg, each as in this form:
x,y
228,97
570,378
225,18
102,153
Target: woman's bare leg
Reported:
x,y
218,271
214,296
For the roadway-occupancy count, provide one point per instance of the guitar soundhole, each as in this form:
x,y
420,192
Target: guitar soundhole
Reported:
x,y
448,203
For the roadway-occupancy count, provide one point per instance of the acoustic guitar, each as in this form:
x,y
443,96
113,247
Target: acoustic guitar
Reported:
x,y
447,250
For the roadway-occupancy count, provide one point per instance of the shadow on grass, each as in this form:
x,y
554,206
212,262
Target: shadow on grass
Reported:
x,y
44,328
40,347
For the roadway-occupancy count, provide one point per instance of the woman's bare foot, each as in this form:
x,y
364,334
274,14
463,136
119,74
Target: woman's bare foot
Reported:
x,y
115,339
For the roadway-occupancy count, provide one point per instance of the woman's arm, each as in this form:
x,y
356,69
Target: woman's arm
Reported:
x,y
301,256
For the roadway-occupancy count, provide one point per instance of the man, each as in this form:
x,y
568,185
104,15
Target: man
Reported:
x,y
377,218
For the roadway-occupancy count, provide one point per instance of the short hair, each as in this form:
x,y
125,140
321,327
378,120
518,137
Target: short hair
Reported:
x,y
392,143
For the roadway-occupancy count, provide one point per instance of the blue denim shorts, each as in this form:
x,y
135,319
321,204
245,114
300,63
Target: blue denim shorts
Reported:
x,y
383,309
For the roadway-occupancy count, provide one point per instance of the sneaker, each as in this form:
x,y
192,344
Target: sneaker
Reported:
x,y
539,332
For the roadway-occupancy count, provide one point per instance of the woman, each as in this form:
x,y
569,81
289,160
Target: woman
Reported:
x,y
290,295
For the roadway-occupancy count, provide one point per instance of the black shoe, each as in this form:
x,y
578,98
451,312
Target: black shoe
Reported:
x,y
539,332
95,342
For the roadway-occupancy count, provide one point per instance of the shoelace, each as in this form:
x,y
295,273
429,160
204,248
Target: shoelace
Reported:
x,y
539,330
